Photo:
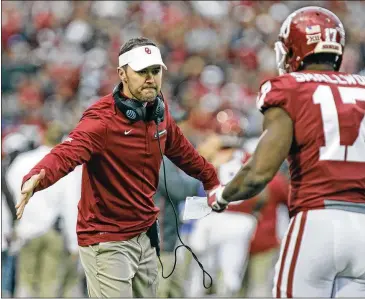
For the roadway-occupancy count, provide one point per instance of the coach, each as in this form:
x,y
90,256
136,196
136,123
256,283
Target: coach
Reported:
x,y
117,140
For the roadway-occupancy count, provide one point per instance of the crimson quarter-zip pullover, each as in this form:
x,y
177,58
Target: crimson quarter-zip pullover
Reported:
x,y
121,170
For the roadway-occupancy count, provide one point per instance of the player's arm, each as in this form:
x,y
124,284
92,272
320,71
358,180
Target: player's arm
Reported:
x,y
271,151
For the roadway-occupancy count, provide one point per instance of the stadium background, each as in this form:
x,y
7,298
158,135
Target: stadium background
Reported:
x,y
59,57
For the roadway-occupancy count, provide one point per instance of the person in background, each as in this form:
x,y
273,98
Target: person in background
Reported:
x,y
7,257
13,144
273,220
179,186
121,140
244,224
72,274
40,242
222,240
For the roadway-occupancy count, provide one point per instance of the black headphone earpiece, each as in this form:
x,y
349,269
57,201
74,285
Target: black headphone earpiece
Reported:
x,y
135,111
157,112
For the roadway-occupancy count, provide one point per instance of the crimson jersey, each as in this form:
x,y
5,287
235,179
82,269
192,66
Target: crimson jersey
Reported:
x,y
327,156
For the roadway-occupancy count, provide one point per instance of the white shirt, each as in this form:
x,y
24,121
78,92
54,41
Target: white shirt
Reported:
x,y
6,223
69,211
45,206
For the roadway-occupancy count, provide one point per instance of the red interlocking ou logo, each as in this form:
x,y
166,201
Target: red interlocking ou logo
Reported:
x,y
147,50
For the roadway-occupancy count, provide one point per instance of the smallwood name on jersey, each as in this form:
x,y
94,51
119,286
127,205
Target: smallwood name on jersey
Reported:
x,y
346,79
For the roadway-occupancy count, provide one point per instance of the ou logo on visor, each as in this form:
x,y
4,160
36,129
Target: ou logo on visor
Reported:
x,y
147,50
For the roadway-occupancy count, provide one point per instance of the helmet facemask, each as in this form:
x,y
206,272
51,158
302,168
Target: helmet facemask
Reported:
x,y
281,57
281,50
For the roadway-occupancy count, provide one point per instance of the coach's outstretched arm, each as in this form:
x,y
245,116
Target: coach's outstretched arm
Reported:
x,y
86,139
271,151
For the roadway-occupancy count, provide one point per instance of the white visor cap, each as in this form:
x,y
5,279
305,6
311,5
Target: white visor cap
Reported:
x,y
142,57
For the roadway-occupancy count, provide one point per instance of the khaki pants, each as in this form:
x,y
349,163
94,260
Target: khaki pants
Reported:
x,y
39,265
121,268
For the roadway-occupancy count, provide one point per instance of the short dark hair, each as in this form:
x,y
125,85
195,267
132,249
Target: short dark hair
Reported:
x,y
135,42
330,59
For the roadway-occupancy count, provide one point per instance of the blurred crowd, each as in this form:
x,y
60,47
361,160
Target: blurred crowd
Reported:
x,y
59,57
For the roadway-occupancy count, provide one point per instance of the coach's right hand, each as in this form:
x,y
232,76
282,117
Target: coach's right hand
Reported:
x,y
215,199
27,192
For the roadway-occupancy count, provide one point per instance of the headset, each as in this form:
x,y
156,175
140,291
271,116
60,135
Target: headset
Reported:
x,y
135,111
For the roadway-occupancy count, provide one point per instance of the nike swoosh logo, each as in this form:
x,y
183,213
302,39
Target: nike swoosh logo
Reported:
x,y
127,132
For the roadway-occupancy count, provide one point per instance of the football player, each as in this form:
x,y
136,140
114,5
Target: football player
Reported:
x,y
314,116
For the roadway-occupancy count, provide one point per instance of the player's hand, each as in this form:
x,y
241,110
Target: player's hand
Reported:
x,y
215,199
27,192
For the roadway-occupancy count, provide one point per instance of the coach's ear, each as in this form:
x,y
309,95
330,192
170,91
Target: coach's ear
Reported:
x,y
122,75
